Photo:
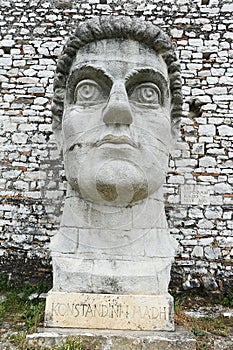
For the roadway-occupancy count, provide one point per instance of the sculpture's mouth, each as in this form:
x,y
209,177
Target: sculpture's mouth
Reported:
x,y
117,140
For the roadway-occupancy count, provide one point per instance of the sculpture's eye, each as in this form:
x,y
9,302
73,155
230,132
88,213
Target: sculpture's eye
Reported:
x,y
146,93
88,91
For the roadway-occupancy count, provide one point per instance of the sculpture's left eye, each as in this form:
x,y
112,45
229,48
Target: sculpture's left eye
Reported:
x,y
146,93
88,92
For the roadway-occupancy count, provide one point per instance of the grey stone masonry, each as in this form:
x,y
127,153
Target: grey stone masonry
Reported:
x,y
198,192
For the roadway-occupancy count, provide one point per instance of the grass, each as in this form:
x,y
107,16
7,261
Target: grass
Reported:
x,y
202,298
25,315
71,343
228,299
204,328
22,314
78,343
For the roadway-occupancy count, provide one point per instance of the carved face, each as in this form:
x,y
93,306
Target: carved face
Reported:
x,y
116,122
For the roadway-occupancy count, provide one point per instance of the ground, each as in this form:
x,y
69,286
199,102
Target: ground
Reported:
x,y
209,316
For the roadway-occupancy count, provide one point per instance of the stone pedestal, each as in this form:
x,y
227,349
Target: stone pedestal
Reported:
x,y
180,339
112,250
109,311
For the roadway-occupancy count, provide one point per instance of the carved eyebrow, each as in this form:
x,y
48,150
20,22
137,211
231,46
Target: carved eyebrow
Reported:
x,y
87,71
148,74
79,69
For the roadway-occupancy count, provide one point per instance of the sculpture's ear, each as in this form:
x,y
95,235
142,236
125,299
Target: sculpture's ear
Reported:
x,y
175,130
57,131
57,113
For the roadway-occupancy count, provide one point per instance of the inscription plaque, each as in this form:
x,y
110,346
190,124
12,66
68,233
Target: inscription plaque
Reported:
x,y
104,311
195,194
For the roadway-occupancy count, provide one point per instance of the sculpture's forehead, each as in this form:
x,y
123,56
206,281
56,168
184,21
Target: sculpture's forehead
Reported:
x,y
120,54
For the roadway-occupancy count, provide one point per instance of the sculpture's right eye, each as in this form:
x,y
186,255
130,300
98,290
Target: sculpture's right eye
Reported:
x,y
147,94
88,92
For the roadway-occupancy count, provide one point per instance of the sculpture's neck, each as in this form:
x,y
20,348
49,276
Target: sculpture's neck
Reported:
x,y
146,214
113,235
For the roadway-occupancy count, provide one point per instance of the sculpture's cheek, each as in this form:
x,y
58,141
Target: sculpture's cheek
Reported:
x,y
151,125
78,120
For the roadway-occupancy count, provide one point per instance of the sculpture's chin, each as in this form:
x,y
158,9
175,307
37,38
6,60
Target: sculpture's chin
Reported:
x,y
114,183
121,194
113,194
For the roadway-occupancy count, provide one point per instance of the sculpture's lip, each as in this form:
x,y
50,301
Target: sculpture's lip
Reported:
x,y
117,140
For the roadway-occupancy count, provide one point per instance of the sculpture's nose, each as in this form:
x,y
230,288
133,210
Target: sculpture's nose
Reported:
x,y
118,109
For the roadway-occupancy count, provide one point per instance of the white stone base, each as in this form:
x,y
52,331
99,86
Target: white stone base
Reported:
x,y
180,339
109,311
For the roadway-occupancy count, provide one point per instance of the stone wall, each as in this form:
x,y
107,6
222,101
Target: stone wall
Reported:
x,y
198,192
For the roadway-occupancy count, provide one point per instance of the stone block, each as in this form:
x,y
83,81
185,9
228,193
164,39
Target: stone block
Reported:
x,y
93,216
5,61
227,8
65,241
225,130
195,42
180,339
109,311
207,161
93,273
207,130
223,188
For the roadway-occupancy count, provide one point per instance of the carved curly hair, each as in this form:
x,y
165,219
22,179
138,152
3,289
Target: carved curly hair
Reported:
x,y
111,27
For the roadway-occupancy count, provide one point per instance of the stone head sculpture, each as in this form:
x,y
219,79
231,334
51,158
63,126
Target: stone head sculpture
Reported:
x,y
116,107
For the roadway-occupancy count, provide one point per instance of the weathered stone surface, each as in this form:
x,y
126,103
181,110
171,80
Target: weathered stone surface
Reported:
x,y
41,30
111,274
111,123
181,339
109,311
